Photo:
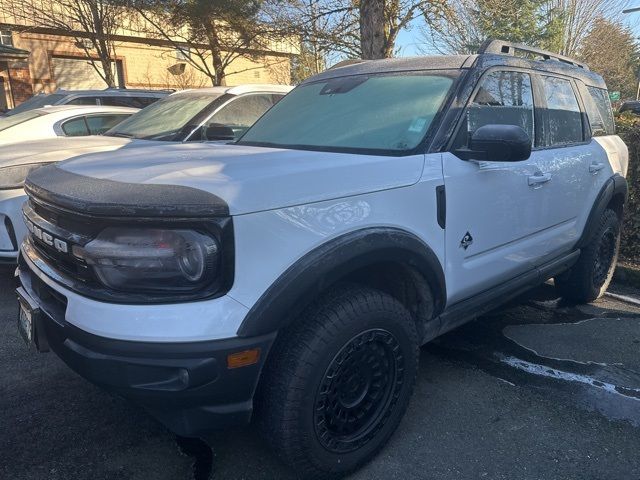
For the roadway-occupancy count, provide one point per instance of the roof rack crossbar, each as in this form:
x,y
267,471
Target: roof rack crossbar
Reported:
x,y
503,47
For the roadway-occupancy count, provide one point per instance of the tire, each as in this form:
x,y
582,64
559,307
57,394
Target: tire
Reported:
x,y
338,382
589,278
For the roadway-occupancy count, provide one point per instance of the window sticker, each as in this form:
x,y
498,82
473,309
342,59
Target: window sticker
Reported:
x,y
418,124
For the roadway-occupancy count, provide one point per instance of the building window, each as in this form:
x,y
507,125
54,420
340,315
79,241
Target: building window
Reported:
x,y
6,38
183,54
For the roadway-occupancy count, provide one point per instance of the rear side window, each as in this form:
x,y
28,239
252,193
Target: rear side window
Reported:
x,y
127,101
242,112
99,124
83,101
599,112
504,98
563,112
76,127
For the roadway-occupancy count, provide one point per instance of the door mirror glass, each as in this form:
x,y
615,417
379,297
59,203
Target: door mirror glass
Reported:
x,y
217,131
499,143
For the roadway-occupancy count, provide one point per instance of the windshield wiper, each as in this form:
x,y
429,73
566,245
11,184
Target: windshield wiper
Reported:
x,y
119,134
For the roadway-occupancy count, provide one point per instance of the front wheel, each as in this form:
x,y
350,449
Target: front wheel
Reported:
x,y
339,382
589,278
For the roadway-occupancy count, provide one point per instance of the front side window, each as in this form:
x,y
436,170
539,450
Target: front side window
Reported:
x,y
384,113
242,112
503,98
165,119
599,112
563,112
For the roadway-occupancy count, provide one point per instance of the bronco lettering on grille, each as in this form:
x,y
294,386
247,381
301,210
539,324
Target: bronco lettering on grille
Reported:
x,y
46,237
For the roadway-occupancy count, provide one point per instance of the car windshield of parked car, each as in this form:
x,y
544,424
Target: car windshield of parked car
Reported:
x,y
37,101
12,121
386,113
165,119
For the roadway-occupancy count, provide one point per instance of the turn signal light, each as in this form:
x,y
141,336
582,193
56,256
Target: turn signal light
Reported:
x,y
243,359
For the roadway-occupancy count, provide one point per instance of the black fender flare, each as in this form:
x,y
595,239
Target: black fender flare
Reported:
x,y
614,186
309,276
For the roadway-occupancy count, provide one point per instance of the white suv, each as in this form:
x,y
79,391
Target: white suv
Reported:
x,y
294,275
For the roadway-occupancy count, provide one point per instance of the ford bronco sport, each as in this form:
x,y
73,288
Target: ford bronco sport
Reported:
x,y
293,276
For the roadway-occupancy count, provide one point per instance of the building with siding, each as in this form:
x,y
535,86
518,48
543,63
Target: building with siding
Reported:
x,y
34,60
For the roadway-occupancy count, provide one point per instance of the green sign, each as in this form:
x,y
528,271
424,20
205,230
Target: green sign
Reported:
x,y
614,96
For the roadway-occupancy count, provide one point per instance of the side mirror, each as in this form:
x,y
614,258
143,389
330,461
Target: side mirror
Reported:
x,y
498,143
217,131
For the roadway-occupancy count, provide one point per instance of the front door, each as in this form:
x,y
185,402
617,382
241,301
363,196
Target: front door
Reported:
x,y
493,208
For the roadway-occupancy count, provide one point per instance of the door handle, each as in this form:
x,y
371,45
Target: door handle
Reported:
x,y
595,167
536,181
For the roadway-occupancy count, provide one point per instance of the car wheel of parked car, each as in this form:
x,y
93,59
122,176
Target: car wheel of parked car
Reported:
x,y
589,278
339,381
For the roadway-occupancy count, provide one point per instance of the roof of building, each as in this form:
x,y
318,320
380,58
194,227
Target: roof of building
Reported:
x,y
12,52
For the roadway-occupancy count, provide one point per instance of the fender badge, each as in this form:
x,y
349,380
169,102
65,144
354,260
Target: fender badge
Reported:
x,y
466,241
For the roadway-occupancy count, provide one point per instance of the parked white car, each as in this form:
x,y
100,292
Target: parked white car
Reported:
x,y
62,121
217,114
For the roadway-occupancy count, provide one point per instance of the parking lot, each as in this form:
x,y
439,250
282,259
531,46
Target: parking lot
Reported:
x,y
536,390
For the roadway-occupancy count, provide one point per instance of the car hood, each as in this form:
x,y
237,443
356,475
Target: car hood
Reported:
x,y
252,179
59,148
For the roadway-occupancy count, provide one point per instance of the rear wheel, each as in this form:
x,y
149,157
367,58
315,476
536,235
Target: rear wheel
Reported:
x,y
589,278
339,381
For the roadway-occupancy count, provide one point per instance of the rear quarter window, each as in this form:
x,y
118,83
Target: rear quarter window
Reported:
x,y
599,111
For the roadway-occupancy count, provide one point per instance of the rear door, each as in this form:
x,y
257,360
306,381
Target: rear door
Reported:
x,y
567,156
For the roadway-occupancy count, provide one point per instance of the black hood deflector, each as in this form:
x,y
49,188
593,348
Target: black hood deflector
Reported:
x,y
109,198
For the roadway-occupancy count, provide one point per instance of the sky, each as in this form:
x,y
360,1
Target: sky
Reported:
x,y
409,40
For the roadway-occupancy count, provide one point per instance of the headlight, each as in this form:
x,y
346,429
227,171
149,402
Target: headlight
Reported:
x,y
152,260
14,177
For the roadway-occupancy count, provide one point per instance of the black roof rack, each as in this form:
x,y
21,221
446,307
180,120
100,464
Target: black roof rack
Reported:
x,y
347,62
502,47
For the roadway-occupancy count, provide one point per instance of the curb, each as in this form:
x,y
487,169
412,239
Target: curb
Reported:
x,y
627,276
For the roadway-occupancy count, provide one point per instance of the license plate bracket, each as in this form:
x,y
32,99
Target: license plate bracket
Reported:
x,y
29,322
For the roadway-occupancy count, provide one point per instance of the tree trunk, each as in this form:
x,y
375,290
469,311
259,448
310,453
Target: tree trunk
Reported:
x,y
372,31
102,46
216,54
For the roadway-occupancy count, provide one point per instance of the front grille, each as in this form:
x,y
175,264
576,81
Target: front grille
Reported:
x,y
51,301
64,226
67,264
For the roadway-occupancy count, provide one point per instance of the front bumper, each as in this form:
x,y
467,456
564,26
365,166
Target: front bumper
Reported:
x,y
12,227
187,386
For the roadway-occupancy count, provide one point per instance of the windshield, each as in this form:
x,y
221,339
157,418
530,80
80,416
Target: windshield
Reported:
x,y
37,101
165,119
12,121
387,113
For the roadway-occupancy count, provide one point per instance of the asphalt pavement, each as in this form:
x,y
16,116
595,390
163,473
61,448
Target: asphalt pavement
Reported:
x,y
535,390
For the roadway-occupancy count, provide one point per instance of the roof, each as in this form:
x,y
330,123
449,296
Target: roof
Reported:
x,y
113,91
405,64
458,62
81,109
239,89
13,52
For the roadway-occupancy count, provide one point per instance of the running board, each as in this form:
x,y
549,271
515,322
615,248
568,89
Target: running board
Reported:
x,y
466,310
